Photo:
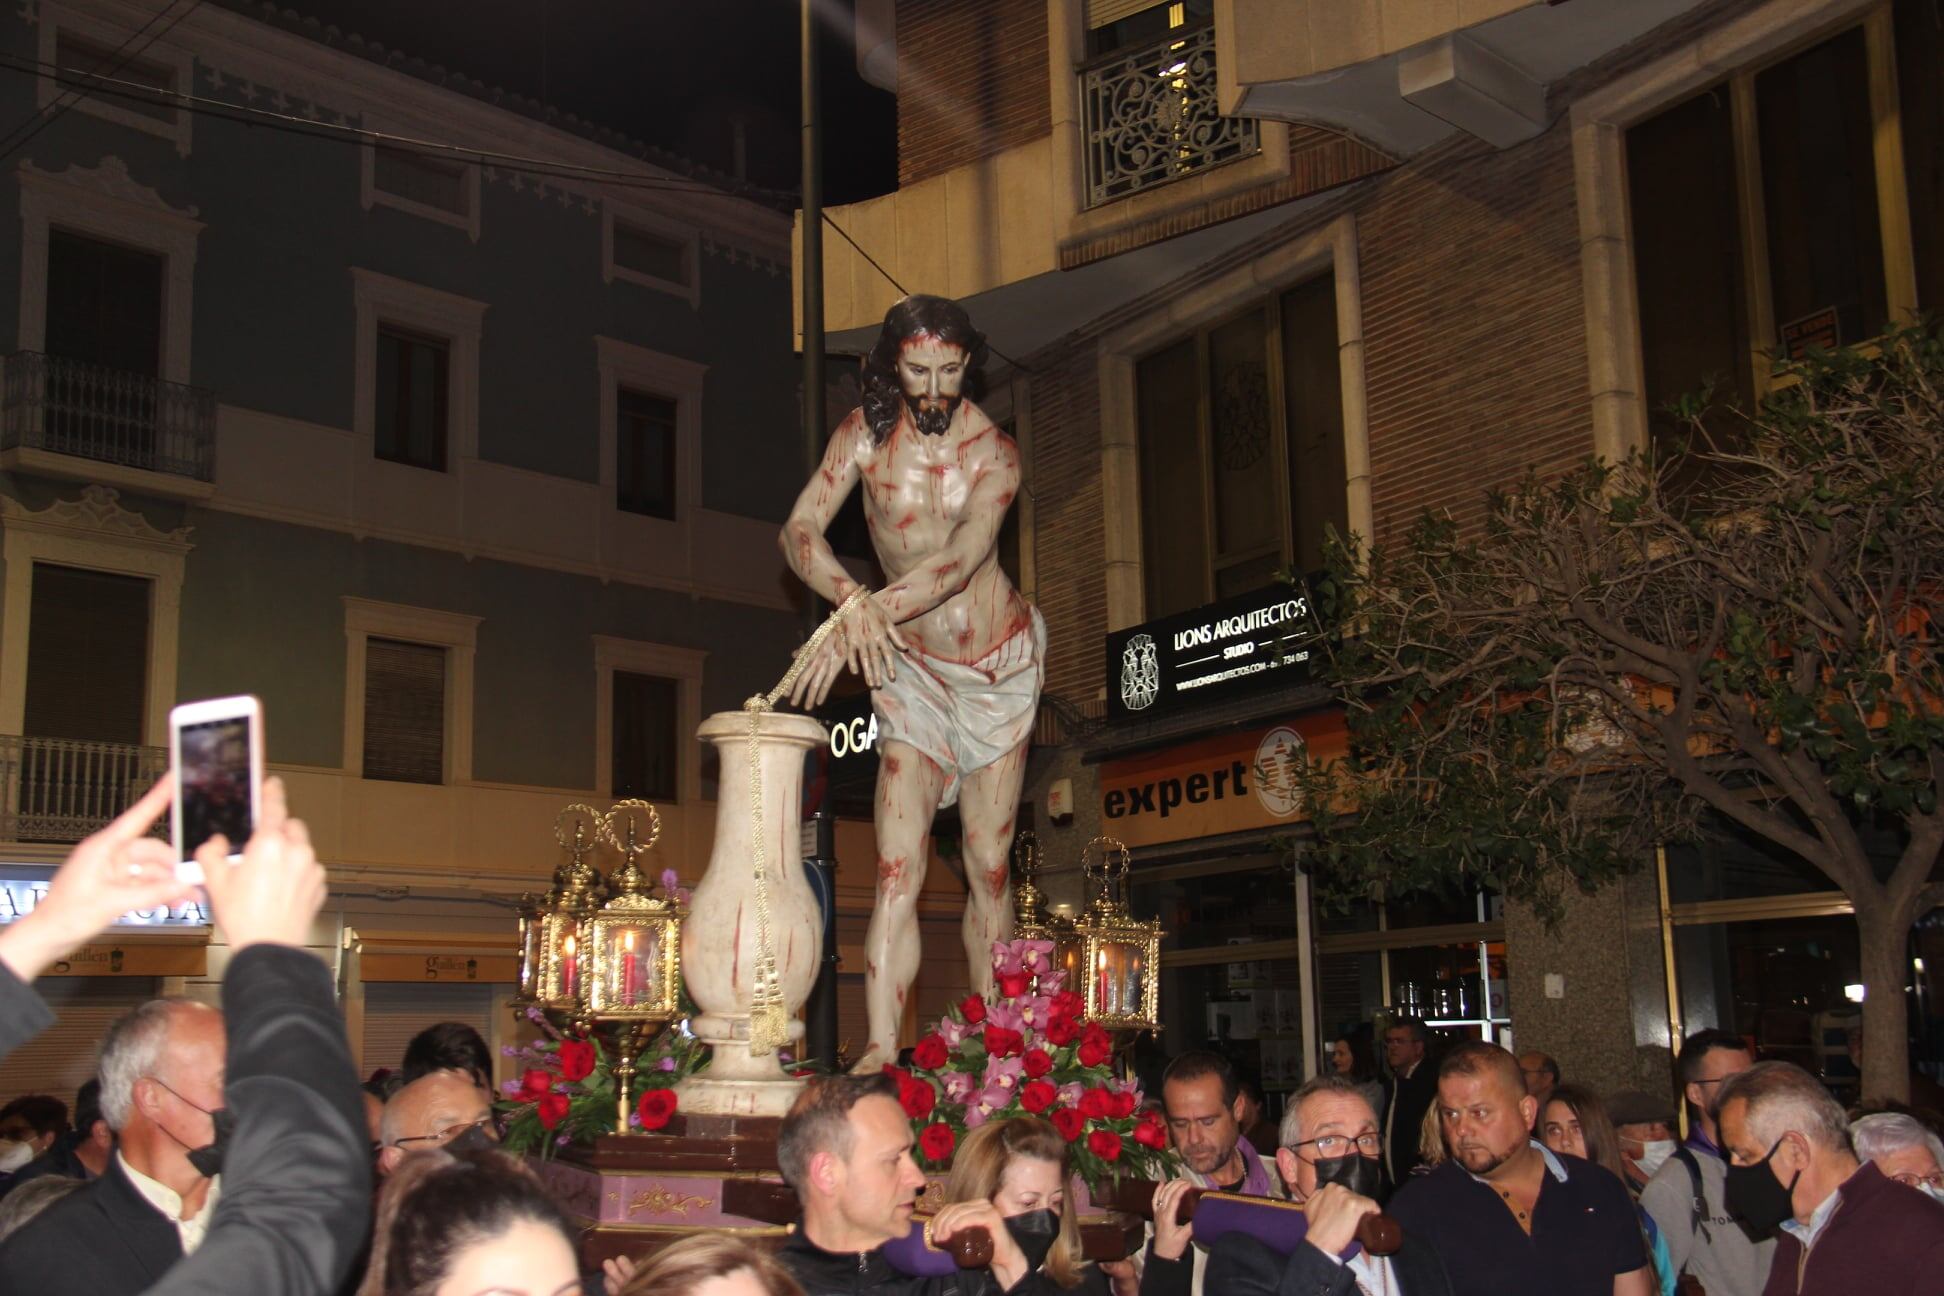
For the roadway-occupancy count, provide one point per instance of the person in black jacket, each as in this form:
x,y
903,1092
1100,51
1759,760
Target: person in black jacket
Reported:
x,y
846,1148
1328,1160
1409,1091
81,1153
296,1202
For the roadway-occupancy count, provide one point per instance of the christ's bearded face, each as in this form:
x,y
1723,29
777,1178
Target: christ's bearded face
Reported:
x,y
932,374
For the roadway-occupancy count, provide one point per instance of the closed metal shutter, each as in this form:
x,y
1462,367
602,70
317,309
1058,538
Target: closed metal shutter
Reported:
x,y
396,1011
404,737
62,1058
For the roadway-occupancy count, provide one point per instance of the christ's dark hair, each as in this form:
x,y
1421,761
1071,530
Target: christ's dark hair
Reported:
x,y
938,317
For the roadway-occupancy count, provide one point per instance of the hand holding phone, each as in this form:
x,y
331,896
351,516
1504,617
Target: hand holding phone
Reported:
x,y
216,753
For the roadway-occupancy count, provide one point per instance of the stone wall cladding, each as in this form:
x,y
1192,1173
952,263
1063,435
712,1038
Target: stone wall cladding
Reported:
x,y
972,81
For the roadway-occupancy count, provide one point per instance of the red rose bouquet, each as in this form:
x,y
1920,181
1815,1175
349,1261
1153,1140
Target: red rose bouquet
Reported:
x,y
1028,1052
567,1092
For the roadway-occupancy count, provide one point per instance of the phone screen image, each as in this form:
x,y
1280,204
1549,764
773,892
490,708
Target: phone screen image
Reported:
x,y
216,783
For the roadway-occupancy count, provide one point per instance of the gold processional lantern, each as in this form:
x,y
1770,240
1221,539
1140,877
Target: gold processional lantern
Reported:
x,y
564,965
1120,954
634,949
1031,922
532,943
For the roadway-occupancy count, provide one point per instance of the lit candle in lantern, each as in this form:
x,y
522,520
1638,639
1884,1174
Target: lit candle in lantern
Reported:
x,y
1100,961
629,987
569,969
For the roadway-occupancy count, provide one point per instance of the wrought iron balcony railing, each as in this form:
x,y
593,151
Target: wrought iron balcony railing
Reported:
x,y
62,789
91,411
1151,117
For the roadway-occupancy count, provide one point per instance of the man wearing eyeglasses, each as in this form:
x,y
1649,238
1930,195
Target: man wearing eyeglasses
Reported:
x,y
444,1109
1329,1161
1686,1196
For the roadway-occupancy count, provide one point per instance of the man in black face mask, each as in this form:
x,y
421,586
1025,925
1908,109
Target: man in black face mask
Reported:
x,y
1843,1227
1330,1160
162,1071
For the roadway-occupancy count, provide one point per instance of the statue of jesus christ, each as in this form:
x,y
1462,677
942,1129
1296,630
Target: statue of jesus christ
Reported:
x,y
953,654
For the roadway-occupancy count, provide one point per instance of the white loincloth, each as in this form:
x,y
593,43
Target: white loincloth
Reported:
x,y
965,717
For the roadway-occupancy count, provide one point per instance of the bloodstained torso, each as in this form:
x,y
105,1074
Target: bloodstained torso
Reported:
x,y
916,489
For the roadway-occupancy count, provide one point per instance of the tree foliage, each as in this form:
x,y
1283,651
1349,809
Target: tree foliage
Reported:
x,y
1743,626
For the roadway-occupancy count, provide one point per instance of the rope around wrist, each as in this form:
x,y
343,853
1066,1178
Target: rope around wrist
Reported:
x,y
769,1025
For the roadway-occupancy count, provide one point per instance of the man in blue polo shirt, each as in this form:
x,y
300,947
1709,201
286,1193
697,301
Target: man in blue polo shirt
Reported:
x,y
1508,1216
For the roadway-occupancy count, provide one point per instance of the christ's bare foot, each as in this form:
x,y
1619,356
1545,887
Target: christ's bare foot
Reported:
x,y
874,1060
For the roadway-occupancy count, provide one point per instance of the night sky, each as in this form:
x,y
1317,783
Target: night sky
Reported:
x,y
667,73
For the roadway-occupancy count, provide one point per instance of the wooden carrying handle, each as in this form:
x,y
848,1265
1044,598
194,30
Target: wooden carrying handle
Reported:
x,y
914,1253
1278,1224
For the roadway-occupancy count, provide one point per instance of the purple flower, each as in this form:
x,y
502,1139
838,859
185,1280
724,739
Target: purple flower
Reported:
x,y
953,1032
1002,1013
1003,1074
1050,981
1035,955
1070,1093
563,1141
507,1050
670,881
666,1064
958,1086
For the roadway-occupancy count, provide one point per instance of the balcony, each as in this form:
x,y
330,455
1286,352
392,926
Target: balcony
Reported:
x,y
88,422
62,789
1152,117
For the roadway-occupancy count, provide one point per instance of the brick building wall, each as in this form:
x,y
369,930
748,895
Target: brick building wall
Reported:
x,y
1474,353
972,81
1068,518
1474,326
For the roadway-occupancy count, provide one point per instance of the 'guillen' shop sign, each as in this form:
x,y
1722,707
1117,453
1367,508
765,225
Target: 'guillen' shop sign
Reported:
x,y
1236,647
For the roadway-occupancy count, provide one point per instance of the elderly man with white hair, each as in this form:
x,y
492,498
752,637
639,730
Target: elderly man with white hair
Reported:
x,y
1845,1228
1903,1149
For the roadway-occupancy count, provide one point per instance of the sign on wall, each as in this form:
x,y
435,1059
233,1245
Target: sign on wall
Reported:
x,y
18,898
1235,647
1226,783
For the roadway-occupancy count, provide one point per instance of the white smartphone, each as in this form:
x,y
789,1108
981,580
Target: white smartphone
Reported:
x,y
216,755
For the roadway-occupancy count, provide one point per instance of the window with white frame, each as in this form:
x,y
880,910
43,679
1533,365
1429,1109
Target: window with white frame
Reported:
x,y
408,714
417,380
641,249
107,270
651,429
88,52
648,704
423,183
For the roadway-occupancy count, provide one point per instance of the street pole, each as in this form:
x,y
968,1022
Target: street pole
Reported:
x,y
820,1011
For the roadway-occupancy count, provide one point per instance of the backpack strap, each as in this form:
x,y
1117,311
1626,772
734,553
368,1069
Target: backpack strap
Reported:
x,y
1698,1202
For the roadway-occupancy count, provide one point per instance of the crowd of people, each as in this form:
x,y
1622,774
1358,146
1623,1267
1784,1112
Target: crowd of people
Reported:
x,y
234,1150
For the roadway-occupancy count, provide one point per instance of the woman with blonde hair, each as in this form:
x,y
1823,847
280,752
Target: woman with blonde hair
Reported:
x,y
1431,1144
1020,1166
711,1264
